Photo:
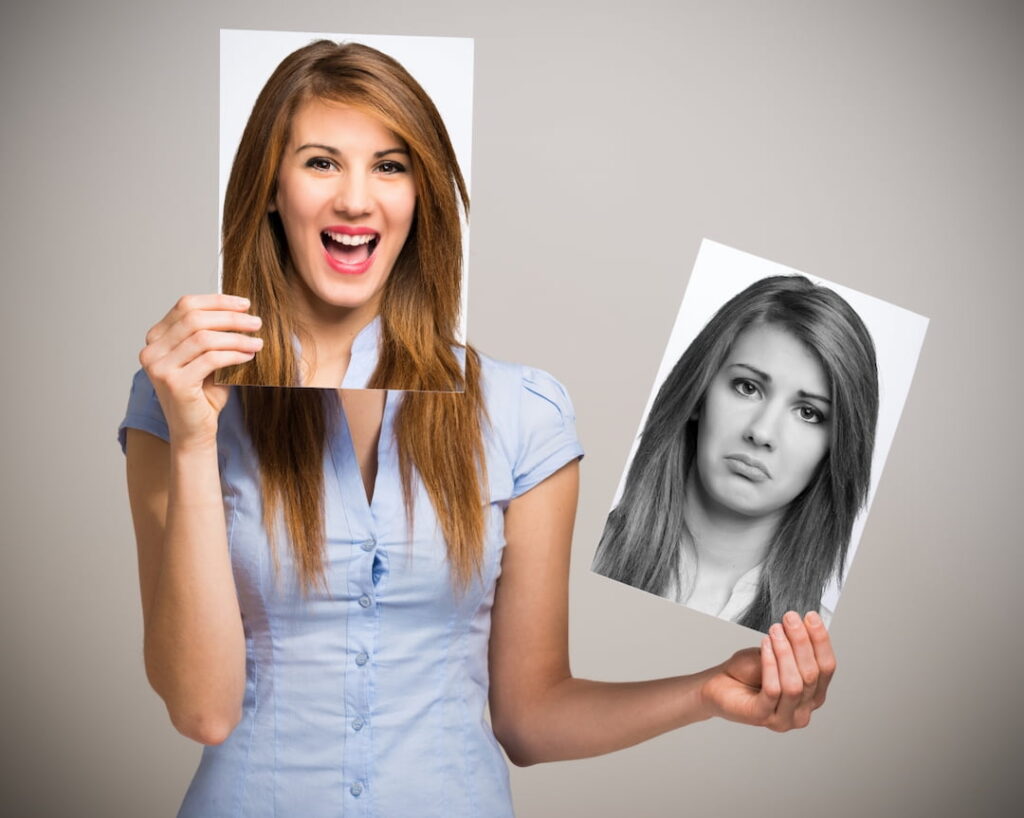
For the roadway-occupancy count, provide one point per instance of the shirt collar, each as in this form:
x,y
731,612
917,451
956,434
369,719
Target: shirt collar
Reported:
x,y
363,361
364,356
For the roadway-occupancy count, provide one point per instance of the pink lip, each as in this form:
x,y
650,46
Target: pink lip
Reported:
x,y
349,269
349,230
340,266
749,467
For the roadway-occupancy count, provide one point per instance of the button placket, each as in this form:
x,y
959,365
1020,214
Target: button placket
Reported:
x,y
363,612
362,630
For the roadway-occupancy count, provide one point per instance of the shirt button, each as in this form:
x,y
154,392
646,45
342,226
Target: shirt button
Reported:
x,y
356,789
368,545
364,601
357,724
362,658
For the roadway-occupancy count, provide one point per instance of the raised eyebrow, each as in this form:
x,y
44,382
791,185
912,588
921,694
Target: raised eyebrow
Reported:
x,y
813,396
335,152
764,376
317,146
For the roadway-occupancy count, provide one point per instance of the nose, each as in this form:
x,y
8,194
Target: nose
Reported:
x,y
352,197
762,427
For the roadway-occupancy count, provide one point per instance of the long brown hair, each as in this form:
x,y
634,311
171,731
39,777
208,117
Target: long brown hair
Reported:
x,y
439,433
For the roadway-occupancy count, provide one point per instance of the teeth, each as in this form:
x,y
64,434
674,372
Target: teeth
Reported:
x,y
351,241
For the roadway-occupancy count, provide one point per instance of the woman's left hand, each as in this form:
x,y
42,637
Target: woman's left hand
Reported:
x,y
779,685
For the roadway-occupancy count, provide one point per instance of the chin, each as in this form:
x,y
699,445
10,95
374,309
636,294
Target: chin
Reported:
x,y
741,503
349,297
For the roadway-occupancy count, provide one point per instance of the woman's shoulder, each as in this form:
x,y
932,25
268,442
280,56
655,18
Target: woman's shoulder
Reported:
x,y
144,411
531,418
511,386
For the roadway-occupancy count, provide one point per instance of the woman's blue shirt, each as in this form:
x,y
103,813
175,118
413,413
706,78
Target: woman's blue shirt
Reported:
x,y
369,698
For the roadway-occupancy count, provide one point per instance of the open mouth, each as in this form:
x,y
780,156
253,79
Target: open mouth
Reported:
x,y
346,248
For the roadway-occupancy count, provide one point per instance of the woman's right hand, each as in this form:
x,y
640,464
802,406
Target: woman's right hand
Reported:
x,y
201,334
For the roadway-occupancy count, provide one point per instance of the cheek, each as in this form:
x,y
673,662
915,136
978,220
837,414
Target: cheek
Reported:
x,y
721,420
808,452
296,203
400,203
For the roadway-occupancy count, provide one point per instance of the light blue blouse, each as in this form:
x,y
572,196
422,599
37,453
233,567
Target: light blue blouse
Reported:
x,y
369,699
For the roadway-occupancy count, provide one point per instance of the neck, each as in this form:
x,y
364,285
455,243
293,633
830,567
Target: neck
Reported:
x,y
327,334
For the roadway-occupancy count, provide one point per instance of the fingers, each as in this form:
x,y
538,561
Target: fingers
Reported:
x,y
199,346
771,685
821,643
803,652
804,663
192,303
205,364
790,681
171,346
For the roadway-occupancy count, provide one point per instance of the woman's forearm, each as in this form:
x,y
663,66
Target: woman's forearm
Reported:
x,y
777,685
194,642
579,718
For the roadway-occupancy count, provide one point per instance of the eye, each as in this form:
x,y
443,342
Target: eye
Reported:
x,y
809,414
746,387
320,163
389,167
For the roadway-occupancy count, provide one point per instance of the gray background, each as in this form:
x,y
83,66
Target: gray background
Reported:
x,y
876,144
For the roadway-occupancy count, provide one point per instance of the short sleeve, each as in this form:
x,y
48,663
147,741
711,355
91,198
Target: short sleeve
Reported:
x,y
547,431
144,411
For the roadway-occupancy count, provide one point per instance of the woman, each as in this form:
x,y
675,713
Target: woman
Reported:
x,y
319,570
755,459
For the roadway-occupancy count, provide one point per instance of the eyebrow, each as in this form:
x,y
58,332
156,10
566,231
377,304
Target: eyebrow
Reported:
x,y
335,152
764,376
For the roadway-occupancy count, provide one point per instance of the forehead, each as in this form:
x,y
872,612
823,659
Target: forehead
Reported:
x,y
787,360
337,124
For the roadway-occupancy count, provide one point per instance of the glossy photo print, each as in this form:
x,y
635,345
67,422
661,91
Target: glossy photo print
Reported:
x,y
764,437
344,193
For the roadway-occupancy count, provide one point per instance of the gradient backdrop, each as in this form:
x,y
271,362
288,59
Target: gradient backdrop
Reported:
x,y
875,144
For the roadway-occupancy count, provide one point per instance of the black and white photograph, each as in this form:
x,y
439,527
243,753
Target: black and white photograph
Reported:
x,y
763,441
344,172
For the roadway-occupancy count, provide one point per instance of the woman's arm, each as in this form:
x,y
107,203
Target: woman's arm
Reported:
x,y
194,643
541,713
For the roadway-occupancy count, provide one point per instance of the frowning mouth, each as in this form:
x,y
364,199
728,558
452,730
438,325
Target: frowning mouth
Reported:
x,y
349,250
749,467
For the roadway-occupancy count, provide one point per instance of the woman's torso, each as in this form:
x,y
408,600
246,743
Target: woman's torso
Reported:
x,y
369,697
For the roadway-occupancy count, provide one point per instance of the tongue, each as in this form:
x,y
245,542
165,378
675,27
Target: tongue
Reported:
x,y
347,254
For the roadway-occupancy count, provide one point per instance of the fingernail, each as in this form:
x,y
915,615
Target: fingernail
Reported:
x,y
242,301
792,618
813,618
776,631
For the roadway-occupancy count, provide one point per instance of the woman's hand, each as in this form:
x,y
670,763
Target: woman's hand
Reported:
x,y
201,334
778,685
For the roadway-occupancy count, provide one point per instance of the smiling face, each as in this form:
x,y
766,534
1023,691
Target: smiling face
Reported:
x,y
347,198
764,425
